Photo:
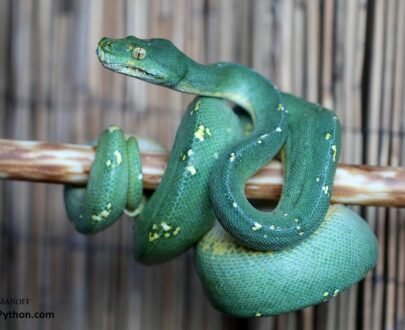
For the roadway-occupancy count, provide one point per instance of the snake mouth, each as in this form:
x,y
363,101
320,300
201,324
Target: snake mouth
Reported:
x,y
131,71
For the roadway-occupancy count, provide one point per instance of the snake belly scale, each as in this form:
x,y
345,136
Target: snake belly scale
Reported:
x,y
250,262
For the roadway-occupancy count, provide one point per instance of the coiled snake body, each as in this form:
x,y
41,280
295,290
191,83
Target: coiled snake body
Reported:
x,y
253,263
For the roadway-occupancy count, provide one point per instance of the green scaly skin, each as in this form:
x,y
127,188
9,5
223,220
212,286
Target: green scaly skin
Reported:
x,y
237,270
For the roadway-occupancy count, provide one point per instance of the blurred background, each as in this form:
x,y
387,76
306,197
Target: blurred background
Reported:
x,y
347,55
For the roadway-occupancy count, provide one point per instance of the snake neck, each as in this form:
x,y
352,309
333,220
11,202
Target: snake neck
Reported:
x,y
237,84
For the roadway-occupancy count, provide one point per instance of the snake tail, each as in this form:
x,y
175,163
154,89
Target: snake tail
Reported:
x,y
115,183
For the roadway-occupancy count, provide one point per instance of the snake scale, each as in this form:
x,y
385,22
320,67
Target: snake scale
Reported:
x,y
251,263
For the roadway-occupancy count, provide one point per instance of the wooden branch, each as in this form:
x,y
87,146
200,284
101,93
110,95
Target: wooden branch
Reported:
x,y
67,163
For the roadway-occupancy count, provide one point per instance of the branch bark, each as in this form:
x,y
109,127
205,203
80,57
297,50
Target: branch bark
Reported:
x,y
68,163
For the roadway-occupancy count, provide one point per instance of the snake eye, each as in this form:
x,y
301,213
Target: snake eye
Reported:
x,y
139,53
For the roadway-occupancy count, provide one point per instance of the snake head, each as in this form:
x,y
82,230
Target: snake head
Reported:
x,y
156,61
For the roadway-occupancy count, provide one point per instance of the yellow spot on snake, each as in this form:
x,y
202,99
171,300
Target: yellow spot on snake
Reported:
x,y
201,132
328,136
335,293
196,107
325,294
189,153
334,153
154,226
167,235
191,169
258,314
105,213
280,107
325,190
153,237
176,231
256,226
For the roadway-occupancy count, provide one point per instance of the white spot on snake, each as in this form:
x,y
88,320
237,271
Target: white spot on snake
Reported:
x,y
167,235
96,218
265,236
191,169
234,205
272,227
216,155
335,293
263,136
334,153
108,163
154,226
301,233
259,141
165,226
285,214
317,179
325,190
140,176
189,152
105,213
258,314
233,157
113,128
118,157
298,227
278,129
280,107
296,219
229,130
256,226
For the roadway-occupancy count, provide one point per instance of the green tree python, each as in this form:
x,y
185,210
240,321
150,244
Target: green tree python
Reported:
x,y
251,263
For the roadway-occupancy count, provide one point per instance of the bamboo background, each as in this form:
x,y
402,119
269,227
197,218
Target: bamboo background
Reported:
x,y
347,55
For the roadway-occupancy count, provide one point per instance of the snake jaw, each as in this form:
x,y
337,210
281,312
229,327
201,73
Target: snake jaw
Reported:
x,y
132,71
